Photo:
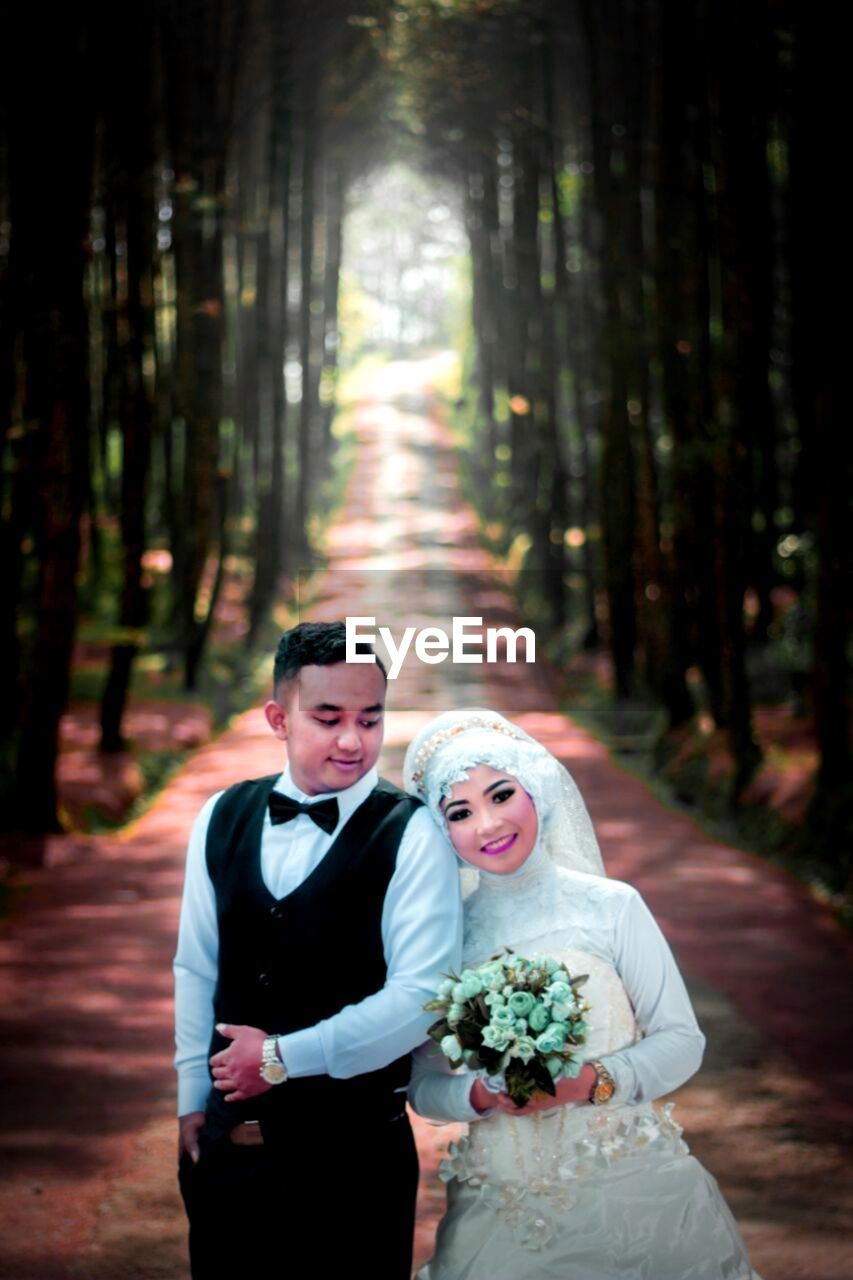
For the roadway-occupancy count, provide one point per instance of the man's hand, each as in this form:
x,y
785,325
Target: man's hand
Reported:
x,y
189,1127
237,1069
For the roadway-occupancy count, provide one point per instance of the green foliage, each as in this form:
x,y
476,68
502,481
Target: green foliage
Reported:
x,y
359,314
570,188
680,772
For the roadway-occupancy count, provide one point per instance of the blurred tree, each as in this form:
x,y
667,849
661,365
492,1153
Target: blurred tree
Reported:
x,y
50,156
131,143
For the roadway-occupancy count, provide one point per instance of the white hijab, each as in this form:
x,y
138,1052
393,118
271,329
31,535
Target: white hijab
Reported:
x,y
454,742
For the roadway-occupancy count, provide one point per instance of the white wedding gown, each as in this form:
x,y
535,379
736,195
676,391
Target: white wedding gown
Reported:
x,y
582,1192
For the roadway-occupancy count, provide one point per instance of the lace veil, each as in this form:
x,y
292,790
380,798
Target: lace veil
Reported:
x,y
443,752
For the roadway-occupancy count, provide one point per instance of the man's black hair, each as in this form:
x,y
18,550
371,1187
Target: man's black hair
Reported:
x,y
314,644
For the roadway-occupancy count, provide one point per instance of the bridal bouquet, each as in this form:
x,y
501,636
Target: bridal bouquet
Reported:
x,y
516,1018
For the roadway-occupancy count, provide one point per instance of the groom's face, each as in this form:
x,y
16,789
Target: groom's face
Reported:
x,y
331,718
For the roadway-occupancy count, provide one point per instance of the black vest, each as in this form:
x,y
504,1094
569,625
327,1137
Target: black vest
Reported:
x,y
286,964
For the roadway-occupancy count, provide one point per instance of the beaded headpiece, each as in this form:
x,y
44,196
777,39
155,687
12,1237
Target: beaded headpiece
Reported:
x,y
441,736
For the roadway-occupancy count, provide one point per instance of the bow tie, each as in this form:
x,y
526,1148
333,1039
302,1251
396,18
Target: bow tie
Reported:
x,y
323,812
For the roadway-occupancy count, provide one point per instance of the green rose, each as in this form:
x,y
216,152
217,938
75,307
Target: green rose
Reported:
x,y
555,1067
550,964
558,991
521,1002
494,1038
539,1017
563,1010
458,993
445,988
552,1039
572,1068
523,1048
492,978
503,1017
451,1048
470,984
455,1014
521,1026
494,999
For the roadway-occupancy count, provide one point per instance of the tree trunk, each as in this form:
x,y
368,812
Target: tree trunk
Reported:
x,y
53,152
270,522
484,308
199,249
618,498
306,343
679,319
136,409
331,284
817,228
735,357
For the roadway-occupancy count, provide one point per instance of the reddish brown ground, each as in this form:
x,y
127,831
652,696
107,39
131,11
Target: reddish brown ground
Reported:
x,y
95,787
106,787
87,1152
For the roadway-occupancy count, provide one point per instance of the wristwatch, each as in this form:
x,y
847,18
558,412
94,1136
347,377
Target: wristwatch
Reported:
x,y
273,1070
604,1087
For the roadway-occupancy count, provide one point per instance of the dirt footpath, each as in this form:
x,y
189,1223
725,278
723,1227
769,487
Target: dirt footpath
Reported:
x,y
87,1151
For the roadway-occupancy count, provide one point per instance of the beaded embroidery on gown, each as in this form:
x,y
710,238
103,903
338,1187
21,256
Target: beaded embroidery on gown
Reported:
x,y
573,1193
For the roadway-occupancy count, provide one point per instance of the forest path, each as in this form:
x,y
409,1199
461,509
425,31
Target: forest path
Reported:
x,y
87,1152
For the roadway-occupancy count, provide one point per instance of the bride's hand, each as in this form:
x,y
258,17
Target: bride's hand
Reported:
x,y
576,1090
481,1098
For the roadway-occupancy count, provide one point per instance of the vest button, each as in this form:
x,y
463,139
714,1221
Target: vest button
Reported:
x,y
276,912
264,980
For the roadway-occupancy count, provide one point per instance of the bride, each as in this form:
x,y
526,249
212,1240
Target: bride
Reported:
x,y
595,1184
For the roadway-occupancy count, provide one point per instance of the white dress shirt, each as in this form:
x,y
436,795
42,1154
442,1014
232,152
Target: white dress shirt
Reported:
x,y
545,910
421,937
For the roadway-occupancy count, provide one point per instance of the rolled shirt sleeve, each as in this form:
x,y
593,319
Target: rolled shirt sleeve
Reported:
x,y
672,1046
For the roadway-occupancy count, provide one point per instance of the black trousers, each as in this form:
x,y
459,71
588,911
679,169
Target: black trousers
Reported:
x,y
322,1201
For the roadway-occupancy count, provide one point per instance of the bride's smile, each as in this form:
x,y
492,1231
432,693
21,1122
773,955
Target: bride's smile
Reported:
x,y
500,845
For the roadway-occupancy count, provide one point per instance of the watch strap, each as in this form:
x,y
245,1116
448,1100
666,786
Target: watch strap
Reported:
x,y
604,1087
272,1068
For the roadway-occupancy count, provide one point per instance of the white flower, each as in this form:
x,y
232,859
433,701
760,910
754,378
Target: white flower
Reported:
x,y
451,1048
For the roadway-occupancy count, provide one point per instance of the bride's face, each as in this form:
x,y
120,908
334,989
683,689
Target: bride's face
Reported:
x,y
491,820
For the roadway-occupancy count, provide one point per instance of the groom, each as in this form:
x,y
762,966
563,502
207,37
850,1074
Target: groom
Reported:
x,y
320,910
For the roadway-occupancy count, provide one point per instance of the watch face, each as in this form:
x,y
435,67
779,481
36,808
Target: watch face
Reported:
x,y
273,1073
604,1091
